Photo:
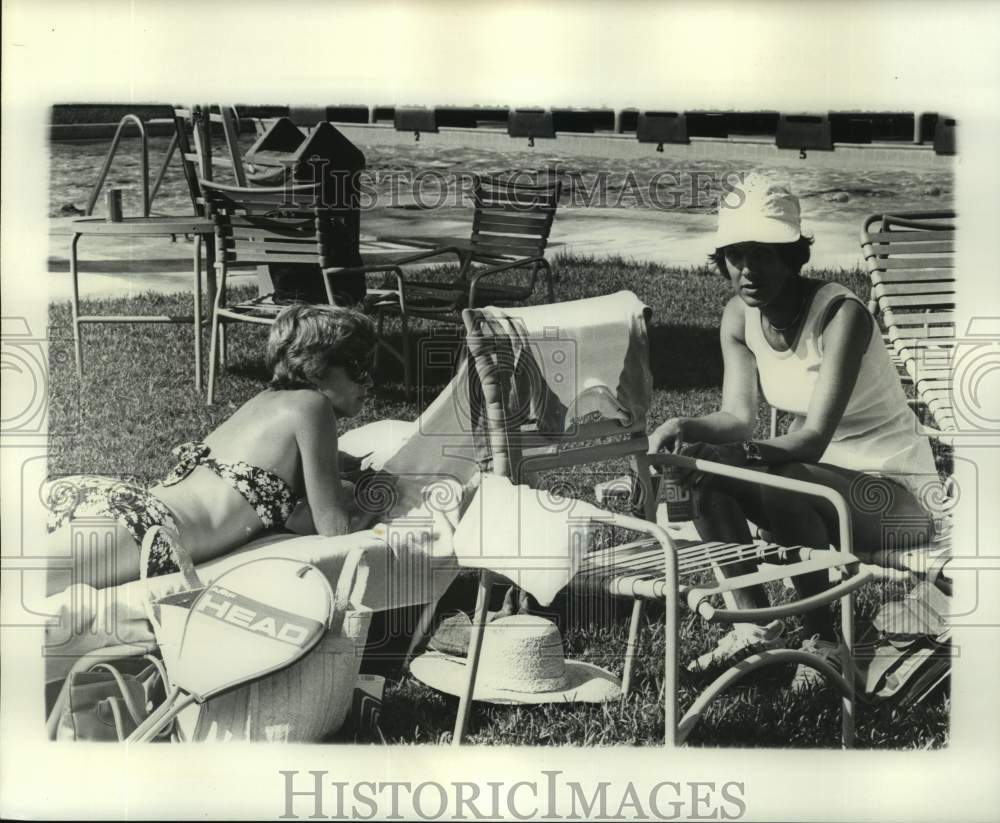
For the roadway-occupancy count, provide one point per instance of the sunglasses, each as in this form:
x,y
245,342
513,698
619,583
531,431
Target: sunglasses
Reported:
x,y
359,371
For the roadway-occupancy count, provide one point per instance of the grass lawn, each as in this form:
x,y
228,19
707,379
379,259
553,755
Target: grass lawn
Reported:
x,y
137,401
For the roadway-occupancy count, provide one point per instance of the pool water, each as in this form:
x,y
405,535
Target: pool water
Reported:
x,y
689,186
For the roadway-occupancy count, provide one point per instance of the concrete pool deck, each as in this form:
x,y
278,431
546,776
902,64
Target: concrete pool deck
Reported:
x,y
120,266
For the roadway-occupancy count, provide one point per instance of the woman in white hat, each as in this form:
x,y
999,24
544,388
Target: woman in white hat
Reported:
x,y
279,449
812,347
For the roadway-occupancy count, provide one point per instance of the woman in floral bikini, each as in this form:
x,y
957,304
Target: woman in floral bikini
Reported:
x,y
248,475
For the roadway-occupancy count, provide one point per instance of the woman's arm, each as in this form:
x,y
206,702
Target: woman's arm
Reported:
x,y
845,340
316,436
735,420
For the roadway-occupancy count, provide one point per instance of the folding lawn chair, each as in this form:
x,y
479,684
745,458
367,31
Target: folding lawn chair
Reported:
x,y
911,263
510,230
648,568
274,225
193,138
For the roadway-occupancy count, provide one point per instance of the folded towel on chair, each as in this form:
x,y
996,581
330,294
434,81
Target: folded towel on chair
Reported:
x,y
592,357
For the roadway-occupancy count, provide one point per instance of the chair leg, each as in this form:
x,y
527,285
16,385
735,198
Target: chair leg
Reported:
x,y
197,312
223,348
632,647
407,359
472,659
75,306
420,632
771,657
549,286
380,333
848,668
213,359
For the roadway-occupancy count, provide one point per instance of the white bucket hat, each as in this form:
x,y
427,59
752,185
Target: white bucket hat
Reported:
x,y
760,210
522,661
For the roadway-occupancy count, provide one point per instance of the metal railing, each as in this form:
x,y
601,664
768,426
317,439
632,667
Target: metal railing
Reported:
x,y
171,148
146,200
149,194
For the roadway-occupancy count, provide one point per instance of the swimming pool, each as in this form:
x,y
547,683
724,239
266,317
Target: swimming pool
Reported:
x,y
656,182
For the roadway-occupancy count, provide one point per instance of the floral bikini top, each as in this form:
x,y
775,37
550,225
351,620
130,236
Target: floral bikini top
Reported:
x,y
269,495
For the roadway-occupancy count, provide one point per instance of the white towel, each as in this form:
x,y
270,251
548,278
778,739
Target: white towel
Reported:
x,y
593,353
529,535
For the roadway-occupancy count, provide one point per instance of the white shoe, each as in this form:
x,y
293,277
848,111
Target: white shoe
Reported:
x,y
744,640
807,678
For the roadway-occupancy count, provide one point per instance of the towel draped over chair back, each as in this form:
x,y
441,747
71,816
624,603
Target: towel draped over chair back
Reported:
x,y
544,380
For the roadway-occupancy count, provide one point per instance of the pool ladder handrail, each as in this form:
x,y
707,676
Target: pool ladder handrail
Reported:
x,y
149,195
102,177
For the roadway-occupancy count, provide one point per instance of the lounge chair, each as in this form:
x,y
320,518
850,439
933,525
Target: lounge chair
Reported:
x,y
510,231
911,263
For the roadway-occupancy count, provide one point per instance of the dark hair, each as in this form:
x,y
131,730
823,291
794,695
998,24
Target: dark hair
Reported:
x,y
307,338
795,255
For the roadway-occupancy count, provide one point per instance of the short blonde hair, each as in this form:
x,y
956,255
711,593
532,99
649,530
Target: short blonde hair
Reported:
x,y
306,339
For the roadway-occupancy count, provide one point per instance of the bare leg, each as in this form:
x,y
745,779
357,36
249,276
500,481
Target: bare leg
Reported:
x,y
98,552
722,516
796,521
881,510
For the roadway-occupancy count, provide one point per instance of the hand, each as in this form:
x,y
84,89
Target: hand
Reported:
x,y
349,465
668,436
730,454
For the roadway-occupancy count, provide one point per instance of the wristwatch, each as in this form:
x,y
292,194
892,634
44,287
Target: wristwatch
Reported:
x,y
751,453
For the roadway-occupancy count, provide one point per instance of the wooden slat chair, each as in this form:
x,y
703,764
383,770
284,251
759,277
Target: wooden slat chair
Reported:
x,y
253,226
510,231
193,139
911,263
649,568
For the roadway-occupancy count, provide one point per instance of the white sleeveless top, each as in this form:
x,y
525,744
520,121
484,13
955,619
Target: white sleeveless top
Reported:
x,y
878,431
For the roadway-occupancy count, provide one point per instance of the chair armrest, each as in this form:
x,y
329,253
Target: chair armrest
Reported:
x,y
937,434
373,268
479,274
384,268
771,481
698,601
436,252
514,264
